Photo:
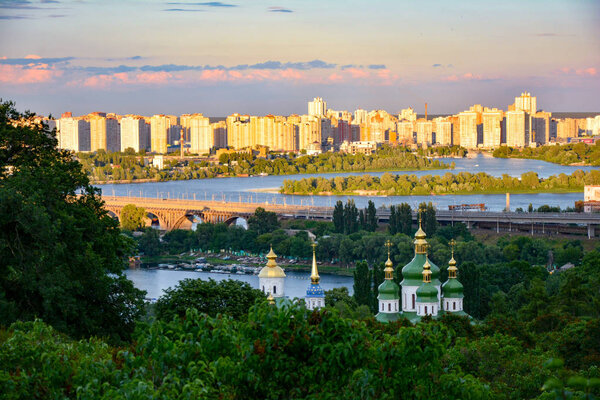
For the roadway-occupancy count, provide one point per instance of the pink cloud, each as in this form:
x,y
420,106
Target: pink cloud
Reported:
x,y
213,75
357,72
335,77
33,57
468,76
101,81
18,74
589,71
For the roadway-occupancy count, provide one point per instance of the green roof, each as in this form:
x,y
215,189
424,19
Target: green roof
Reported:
x,y
388,317
412,273
388,290
427,293
452,288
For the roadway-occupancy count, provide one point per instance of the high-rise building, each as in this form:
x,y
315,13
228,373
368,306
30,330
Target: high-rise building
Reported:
x,y
360,116
317,107
405,131
592,126
160,133
443,131
492,127
468,129
219,130
540,127
424,133
566,128
74,134
408,114
135,133
517,128
104,133
202,138
309,132
238,131
526,103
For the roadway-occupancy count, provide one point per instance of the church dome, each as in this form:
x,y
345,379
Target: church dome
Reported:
x,y
388,290
453,289
427,293
271,270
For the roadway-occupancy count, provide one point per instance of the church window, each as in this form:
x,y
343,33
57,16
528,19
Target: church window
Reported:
x,y
413,301
425,309
389,307
454,304
274,289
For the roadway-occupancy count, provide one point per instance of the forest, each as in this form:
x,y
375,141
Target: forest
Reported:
x,y
449,183
565,154
104,166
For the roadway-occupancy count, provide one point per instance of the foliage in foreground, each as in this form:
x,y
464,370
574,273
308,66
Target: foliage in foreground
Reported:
x,y
288,353
229,297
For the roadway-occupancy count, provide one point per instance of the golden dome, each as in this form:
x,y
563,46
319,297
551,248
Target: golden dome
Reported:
x,y
420,234
272,270
426,272
389,263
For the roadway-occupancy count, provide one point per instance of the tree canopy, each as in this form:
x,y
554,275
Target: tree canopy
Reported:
x,y
62,256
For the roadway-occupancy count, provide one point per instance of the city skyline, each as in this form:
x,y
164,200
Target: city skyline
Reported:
x,y
260,57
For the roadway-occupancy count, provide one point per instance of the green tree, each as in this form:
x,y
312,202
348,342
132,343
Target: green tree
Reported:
x,y
351,224
362,284
371,217
149,242
393,222
263,221
62,255
338,217
132,217
428,219
378,277
228,297
404,219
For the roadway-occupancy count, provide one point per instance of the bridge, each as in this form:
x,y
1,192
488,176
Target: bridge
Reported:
x,y
179,214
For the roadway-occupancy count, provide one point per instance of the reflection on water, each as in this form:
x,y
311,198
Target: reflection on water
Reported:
x,y
154,281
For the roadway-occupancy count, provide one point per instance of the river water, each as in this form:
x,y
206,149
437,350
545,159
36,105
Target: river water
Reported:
x,y
245,189
154,281
249,189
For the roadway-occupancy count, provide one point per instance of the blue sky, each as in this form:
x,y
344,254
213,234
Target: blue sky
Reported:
x,y
264,57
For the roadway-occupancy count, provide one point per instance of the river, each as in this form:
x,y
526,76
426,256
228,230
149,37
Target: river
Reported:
x,y
248,189
154,281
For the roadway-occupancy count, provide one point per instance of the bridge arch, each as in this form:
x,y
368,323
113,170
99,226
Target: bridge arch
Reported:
x,y
238,220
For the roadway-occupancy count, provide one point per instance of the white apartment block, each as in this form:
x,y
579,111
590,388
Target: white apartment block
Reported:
x,y
517,128
74,134
135,134
468,129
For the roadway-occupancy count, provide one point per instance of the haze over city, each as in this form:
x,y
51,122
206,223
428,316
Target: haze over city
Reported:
x,y
263,57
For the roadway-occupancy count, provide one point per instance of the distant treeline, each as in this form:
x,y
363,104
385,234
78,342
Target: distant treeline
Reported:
x,y
560,154
106,166
461,183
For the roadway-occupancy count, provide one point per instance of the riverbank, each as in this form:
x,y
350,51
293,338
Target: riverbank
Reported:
x,y
464,183
217,260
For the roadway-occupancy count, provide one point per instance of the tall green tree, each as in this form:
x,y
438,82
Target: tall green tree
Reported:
x,y
404,219
393,223
371,217
362,284
62,255
133,217
338,217
428,218
378,277
350,217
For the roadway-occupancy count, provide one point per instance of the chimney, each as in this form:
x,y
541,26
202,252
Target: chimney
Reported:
x,y
425,111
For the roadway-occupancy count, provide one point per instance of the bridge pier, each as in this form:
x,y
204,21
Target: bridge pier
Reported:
x,y
591,231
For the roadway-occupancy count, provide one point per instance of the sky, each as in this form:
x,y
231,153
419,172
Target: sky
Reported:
x,y
272,57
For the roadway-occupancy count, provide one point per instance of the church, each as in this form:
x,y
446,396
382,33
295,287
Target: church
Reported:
x,y
420,293
271,280
421,290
